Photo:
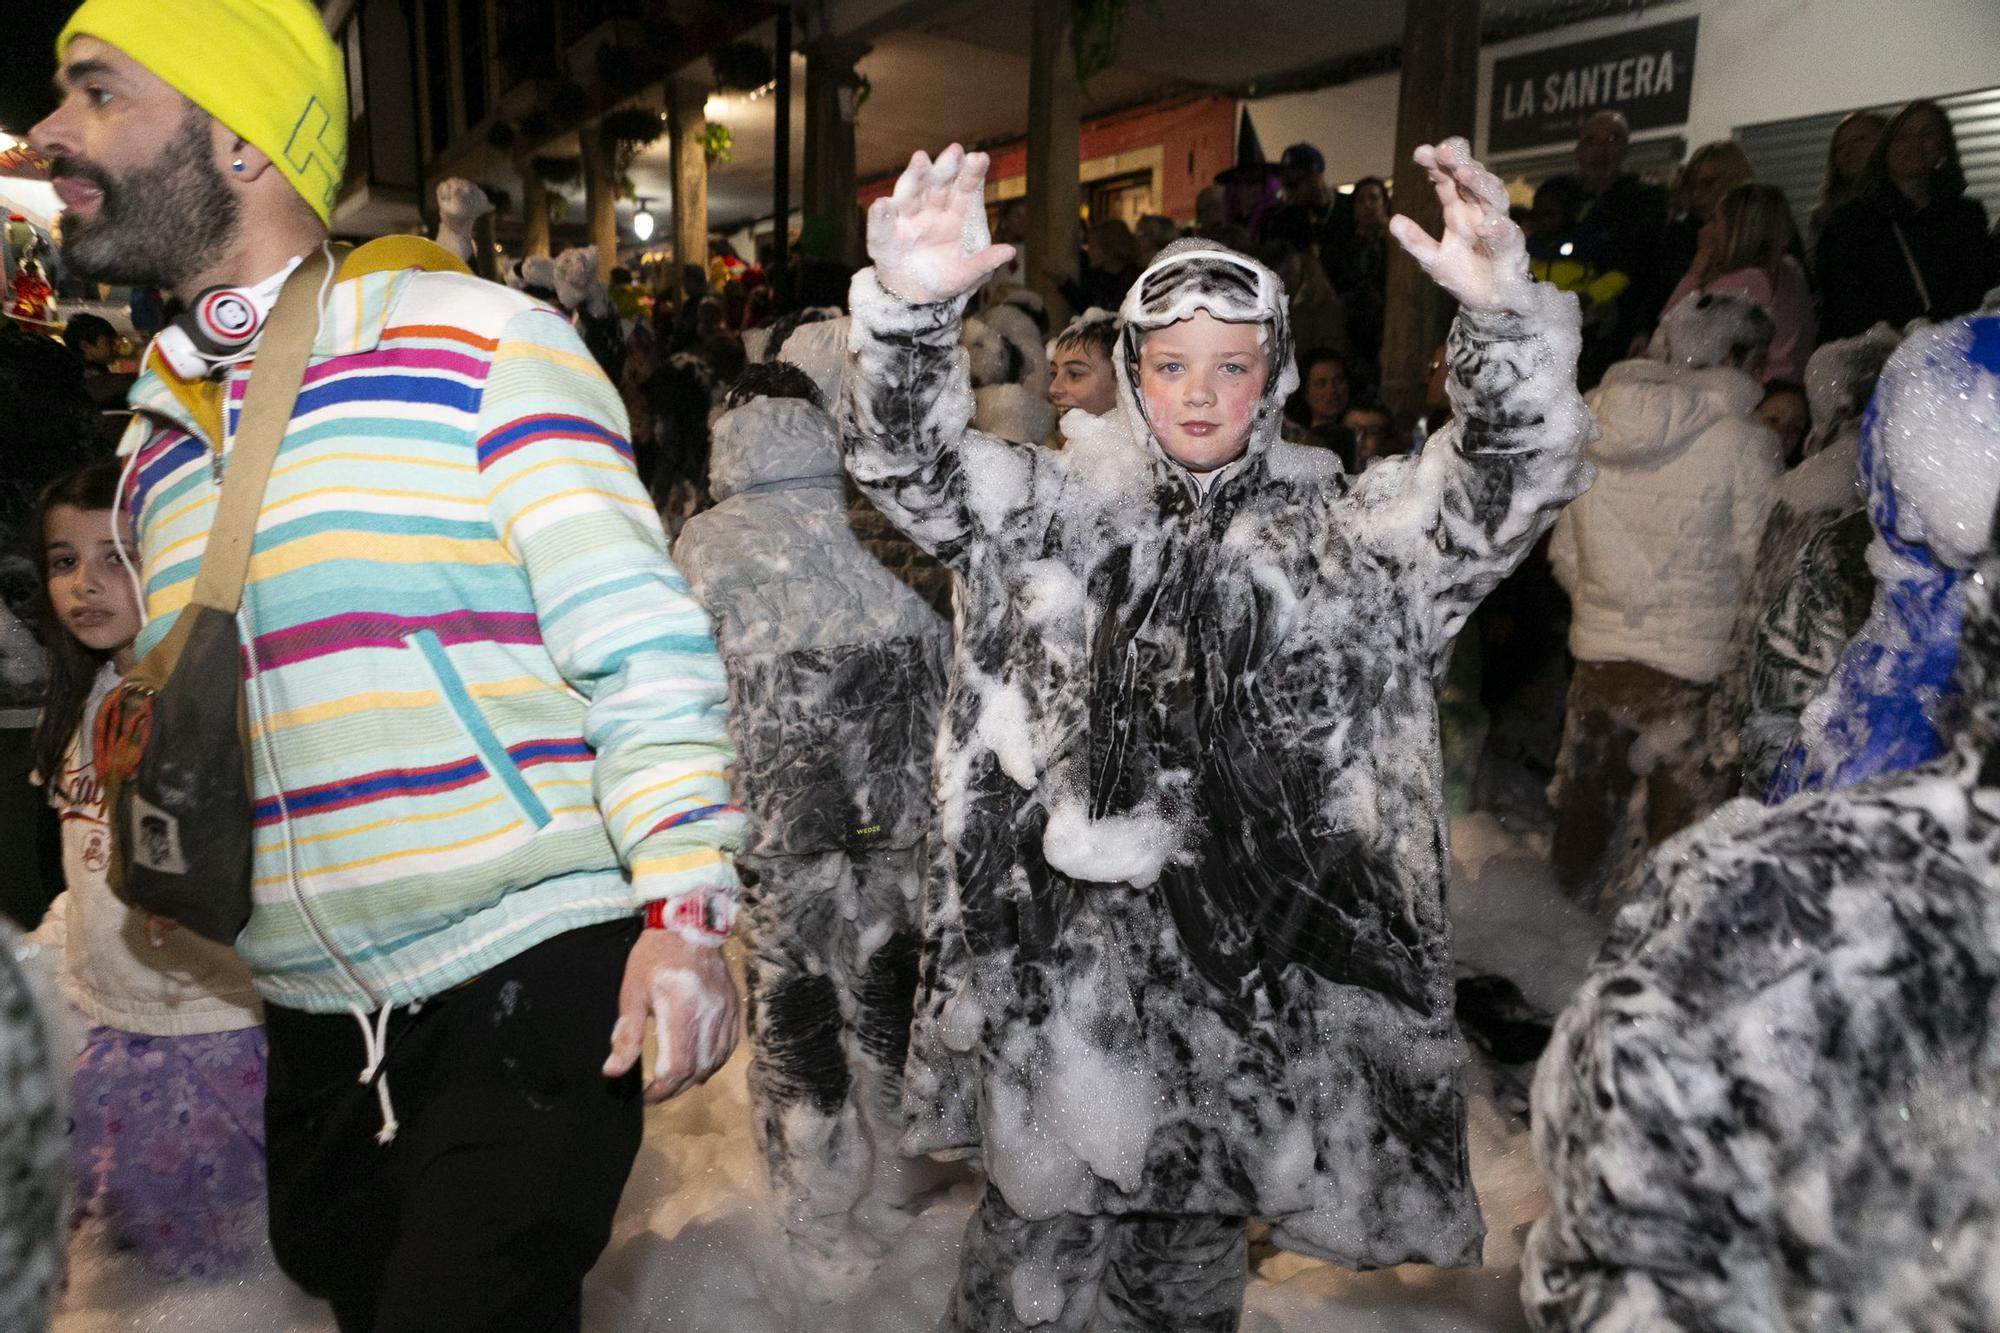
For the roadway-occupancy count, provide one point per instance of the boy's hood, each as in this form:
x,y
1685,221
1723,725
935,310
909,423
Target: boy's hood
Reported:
x,y
772,442
1649,413
1930,444
1840,379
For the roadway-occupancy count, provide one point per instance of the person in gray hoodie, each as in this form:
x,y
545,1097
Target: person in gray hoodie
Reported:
x,y
836,668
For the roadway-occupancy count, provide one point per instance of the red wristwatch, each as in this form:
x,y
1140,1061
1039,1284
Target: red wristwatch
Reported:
x,y
704,917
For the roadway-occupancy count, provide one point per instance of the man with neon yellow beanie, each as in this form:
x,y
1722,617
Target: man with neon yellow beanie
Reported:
x,y
488,719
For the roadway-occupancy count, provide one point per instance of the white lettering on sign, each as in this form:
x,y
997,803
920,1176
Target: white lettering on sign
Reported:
x,y
1539,97
1608,83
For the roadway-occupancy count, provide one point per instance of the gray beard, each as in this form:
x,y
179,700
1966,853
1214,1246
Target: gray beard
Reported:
x,y
161,225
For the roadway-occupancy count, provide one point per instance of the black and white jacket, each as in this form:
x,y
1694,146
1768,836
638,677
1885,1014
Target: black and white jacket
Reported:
x,y
1186,949
1775,1103
835,649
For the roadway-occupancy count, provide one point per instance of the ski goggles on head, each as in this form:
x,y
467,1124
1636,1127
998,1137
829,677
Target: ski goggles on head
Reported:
x,y
1229,286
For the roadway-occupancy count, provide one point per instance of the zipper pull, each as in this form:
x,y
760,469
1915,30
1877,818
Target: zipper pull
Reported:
x,y
215,465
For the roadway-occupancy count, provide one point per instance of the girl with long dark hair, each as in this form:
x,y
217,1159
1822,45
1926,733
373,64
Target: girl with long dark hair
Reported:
x,y
167,1144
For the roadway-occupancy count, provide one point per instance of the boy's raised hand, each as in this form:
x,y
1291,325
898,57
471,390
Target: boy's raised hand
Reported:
x,y
1482,258
929,239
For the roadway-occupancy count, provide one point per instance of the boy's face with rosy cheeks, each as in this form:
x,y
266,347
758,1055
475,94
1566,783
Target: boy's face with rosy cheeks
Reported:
x,y
1200,381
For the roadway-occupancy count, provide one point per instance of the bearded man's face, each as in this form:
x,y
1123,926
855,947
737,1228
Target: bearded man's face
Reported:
x,y
134,163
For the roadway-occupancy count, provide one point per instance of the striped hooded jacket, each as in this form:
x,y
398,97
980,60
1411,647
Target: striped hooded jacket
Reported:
x,y
483,708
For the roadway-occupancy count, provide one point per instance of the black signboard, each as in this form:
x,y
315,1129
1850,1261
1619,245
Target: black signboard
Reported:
x,y
1541,97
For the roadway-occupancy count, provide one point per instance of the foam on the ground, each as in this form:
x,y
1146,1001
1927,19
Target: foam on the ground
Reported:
x,y
698,1248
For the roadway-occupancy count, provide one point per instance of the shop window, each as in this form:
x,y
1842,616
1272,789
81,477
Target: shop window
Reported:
x,y
1127,197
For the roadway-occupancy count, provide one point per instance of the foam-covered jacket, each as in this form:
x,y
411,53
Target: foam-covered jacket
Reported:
x,y
1186,949
32,1149
1930,460
836,667
1795,603
1772,1104
1656,556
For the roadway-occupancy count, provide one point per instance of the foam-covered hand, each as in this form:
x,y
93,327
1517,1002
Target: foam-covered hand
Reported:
x,y
686,989
1482,258
929,239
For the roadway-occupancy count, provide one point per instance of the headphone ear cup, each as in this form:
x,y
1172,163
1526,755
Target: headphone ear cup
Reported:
x,y
221,322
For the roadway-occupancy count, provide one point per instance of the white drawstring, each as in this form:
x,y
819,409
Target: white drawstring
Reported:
x,y
375,1038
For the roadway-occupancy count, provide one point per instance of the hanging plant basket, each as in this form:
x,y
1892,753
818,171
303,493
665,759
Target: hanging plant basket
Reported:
x,y
633,125
1095,29
716,143
742,67
628,130
559,170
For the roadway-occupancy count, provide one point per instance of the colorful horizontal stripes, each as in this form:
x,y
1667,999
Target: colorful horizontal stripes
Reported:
x,y
336,634
518,435
465,643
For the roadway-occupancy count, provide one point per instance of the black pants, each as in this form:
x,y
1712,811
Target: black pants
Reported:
x,y
496,1196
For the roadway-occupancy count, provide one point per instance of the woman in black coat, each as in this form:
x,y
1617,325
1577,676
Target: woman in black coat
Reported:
x,y
1912,244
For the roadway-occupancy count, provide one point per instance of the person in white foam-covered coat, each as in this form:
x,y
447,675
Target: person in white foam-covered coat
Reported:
x,y
1185,955
1656,557
836,657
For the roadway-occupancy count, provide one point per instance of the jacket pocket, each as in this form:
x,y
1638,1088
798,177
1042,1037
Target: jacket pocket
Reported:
x,y
499,764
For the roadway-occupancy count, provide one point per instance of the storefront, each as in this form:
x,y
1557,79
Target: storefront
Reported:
x,y
1774,74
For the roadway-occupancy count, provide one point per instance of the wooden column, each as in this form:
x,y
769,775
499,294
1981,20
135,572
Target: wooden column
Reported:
x,y
781,171
534,198
484,262
600,196
534,212
831,192
685,119
1054,155
1439,98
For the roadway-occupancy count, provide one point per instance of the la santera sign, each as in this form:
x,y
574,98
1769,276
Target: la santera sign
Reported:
x,y
1540,97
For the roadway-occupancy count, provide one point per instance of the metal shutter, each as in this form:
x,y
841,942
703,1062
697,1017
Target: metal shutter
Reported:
x,y
1791,154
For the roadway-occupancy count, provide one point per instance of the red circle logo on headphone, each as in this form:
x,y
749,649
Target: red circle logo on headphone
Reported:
x,y
227,318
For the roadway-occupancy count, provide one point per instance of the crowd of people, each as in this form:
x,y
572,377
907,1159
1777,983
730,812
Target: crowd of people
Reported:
x,y
1074,710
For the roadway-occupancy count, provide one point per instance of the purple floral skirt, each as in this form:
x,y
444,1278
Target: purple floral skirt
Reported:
x,y
167,1144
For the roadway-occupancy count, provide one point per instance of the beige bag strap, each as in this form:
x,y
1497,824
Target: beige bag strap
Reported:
x,y
280,368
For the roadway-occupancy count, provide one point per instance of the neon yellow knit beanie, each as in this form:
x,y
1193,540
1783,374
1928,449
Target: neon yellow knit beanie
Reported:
x,y
265,68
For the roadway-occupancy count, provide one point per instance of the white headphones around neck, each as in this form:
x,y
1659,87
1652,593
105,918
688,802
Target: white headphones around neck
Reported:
x,y
220,326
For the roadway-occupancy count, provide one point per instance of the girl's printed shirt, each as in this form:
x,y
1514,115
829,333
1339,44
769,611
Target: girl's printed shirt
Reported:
x,y
110,970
